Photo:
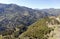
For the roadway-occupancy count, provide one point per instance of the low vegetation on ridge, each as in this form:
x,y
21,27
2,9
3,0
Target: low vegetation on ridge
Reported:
x,y
38,30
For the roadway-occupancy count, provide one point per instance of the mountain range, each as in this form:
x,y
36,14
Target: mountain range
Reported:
x,y
15,20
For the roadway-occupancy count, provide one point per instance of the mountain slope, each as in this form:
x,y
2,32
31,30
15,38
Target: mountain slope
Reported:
x,y
14,21
13,16
38,30
16,15
53,11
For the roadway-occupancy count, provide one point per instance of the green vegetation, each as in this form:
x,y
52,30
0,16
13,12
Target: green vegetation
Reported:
x,y
17,22
38,30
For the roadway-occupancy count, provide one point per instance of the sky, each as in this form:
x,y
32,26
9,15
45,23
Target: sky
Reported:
x,y
35,4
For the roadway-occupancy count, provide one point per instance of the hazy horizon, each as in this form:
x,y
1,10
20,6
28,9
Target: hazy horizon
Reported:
x,y
35,4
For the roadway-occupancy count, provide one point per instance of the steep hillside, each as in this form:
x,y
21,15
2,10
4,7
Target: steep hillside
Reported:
x,y
20,22
41,29
15,19
38,30
12,15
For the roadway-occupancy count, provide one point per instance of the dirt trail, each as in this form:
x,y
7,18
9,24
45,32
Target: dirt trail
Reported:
x,y
55,34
